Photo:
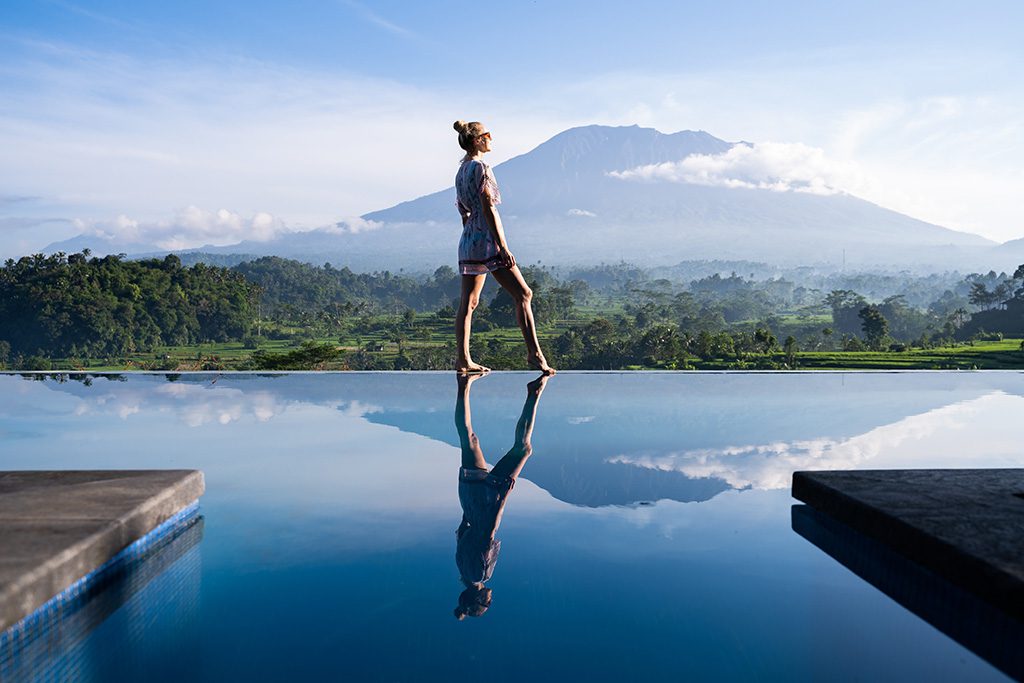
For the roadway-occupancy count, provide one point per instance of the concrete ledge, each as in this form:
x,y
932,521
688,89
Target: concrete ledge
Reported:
x,y
58,526
966,526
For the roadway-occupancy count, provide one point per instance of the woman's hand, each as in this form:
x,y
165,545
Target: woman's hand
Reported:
x,y
507,259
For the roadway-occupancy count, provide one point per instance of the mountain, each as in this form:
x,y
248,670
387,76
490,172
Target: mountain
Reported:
x,y
1010,255
101,246
563,205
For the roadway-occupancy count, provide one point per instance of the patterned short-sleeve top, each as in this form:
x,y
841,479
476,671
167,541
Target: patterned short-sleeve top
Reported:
x,y
475,189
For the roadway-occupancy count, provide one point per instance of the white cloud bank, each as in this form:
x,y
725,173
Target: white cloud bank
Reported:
x,y
191,227
939,136
97,134
354,225
774,166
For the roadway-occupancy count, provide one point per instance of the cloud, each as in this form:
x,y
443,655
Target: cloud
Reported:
x,y
108,133
22,222
191,227
104,134
928,141
581,212
774,166
6,199
378,20
354,225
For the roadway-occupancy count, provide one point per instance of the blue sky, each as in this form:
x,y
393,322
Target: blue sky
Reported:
x,y
211,122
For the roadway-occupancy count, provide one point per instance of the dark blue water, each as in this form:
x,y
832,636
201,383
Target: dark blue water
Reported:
x,y
648,536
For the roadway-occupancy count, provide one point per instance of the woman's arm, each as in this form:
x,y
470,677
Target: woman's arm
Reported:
x,y
489,199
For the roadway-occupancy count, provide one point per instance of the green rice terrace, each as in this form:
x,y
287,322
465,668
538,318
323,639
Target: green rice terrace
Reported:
x,y
76,312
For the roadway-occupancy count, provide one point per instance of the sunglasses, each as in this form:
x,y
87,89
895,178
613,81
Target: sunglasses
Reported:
x,y
484,135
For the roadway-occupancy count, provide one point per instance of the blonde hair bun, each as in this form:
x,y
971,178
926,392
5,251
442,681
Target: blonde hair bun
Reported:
x,y
467,133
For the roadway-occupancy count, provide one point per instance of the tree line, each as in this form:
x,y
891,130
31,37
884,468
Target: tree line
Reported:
x,y
73,305
77,305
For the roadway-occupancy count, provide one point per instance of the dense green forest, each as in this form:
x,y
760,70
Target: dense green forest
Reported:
x,y
284,314
73,305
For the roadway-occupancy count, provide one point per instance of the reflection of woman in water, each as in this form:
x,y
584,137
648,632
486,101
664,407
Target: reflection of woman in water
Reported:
x,y
483,494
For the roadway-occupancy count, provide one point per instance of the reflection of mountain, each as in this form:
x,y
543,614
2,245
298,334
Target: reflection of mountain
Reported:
x,y
598,435
593,484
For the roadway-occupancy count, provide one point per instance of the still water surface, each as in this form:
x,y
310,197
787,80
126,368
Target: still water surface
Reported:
x,y
648,536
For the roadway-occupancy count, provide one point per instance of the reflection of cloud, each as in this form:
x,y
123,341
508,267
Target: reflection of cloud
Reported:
x,y
198,404
124,411
930,438
194,404
225,405
358,409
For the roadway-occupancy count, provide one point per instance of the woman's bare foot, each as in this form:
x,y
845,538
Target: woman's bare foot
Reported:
x,y
536,387
465,380
470,368
539,364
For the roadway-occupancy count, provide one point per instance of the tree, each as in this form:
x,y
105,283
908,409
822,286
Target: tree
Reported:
x,y
875,326
959,317
658,344
790,348
764,340
981,297
845,304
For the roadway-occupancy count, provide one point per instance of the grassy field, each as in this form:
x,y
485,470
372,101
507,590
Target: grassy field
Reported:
x,y
989,355
994,355
428,332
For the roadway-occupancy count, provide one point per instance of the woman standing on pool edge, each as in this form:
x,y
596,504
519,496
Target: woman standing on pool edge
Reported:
x,y
483,249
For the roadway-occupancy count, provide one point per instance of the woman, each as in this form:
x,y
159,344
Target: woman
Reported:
x,y
483,249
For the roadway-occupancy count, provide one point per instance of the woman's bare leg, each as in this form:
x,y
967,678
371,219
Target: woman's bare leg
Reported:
x,y
512,280
471,286
472,455
511,464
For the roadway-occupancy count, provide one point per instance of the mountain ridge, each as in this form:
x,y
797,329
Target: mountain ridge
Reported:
x,y
563,206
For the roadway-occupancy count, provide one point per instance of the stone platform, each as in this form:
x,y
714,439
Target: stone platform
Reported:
x,y
965,525
58,526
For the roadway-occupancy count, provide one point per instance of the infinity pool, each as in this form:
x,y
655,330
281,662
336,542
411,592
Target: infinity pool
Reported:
x,y
648,536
